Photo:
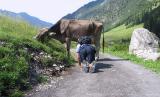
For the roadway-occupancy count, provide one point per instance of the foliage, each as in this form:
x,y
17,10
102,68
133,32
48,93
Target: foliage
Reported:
x,y
16,46
152,21
114,13
17,93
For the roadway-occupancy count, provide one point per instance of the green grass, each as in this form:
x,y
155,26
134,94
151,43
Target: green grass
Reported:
x,y
117,43
16,28
149,64
15,59
120,32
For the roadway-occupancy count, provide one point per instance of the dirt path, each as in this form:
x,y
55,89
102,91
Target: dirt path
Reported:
x,y
115,77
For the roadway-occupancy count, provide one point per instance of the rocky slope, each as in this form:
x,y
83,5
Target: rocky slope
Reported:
x,y
113,12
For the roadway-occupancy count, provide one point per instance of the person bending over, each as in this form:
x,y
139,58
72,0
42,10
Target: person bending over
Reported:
x,y
87,51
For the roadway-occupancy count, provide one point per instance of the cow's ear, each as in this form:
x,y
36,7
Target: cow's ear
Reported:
x,y
64,25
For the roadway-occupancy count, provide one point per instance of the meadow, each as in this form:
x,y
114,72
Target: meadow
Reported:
x,y
117,43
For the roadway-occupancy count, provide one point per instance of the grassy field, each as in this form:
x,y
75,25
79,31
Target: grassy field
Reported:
x,y
120,33
117,43
16,28
16,49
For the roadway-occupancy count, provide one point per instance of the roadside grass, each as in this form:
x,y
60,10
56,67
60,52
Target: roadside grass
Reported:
x,y
15,37
117,43
149,64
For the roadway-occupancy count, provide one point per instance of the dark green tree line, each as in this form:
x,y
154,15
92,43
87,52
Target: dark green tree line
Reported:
x,y
152,21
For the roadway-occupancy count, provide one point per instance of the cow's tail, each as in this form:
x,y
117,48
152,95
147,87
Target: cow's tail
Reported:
x,y
103,39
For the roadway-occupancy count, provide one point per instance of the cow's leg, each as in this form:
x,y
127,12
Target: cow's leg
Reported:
x,y
68,43
97,45
97,50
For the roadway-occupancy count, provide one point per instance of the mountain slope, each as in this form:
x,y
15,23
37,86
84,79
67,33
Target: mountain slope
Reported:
x,y
112,12
24,16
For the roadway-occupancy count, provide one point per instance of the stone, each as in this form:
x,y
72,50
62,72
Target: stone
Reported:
x,y
2,42
144,44
54,65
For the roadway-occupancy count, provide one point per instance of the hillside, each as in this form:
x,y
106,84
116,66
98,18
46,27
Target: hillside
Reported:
x,y
113,12
24,60
26,17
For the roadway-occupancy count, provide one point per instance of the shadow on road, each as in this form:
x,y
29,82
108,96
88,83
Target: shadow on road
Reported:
x,y
108,59
102,66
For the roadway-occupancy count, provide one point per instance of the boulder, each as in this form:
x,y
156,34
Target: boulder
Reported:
x,y
144,44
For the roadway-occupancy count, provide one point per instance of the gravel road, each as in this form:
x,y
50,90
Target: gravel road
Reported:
x,y
115,77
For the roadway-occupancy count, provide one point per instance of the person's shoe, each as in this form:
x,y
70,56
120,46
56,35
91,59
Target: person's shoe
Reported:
x,y
96,58
81,68
85,66
92,67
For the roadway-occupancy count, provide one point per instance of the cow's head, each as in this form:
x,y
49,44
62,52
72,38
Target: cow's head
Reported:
x,y
43,33
58,31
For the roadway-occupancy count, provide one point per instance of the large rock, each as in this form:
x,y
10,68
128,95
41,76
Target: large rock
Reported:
x,y
144,44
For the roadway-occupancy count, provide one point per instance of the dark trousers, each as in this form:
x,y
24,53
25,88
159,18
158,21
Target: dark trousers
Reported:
x,y
87,52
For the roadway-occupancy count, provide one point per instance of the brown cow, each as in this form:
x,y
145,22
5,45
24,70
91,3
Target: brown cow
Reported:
x,y
70,30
